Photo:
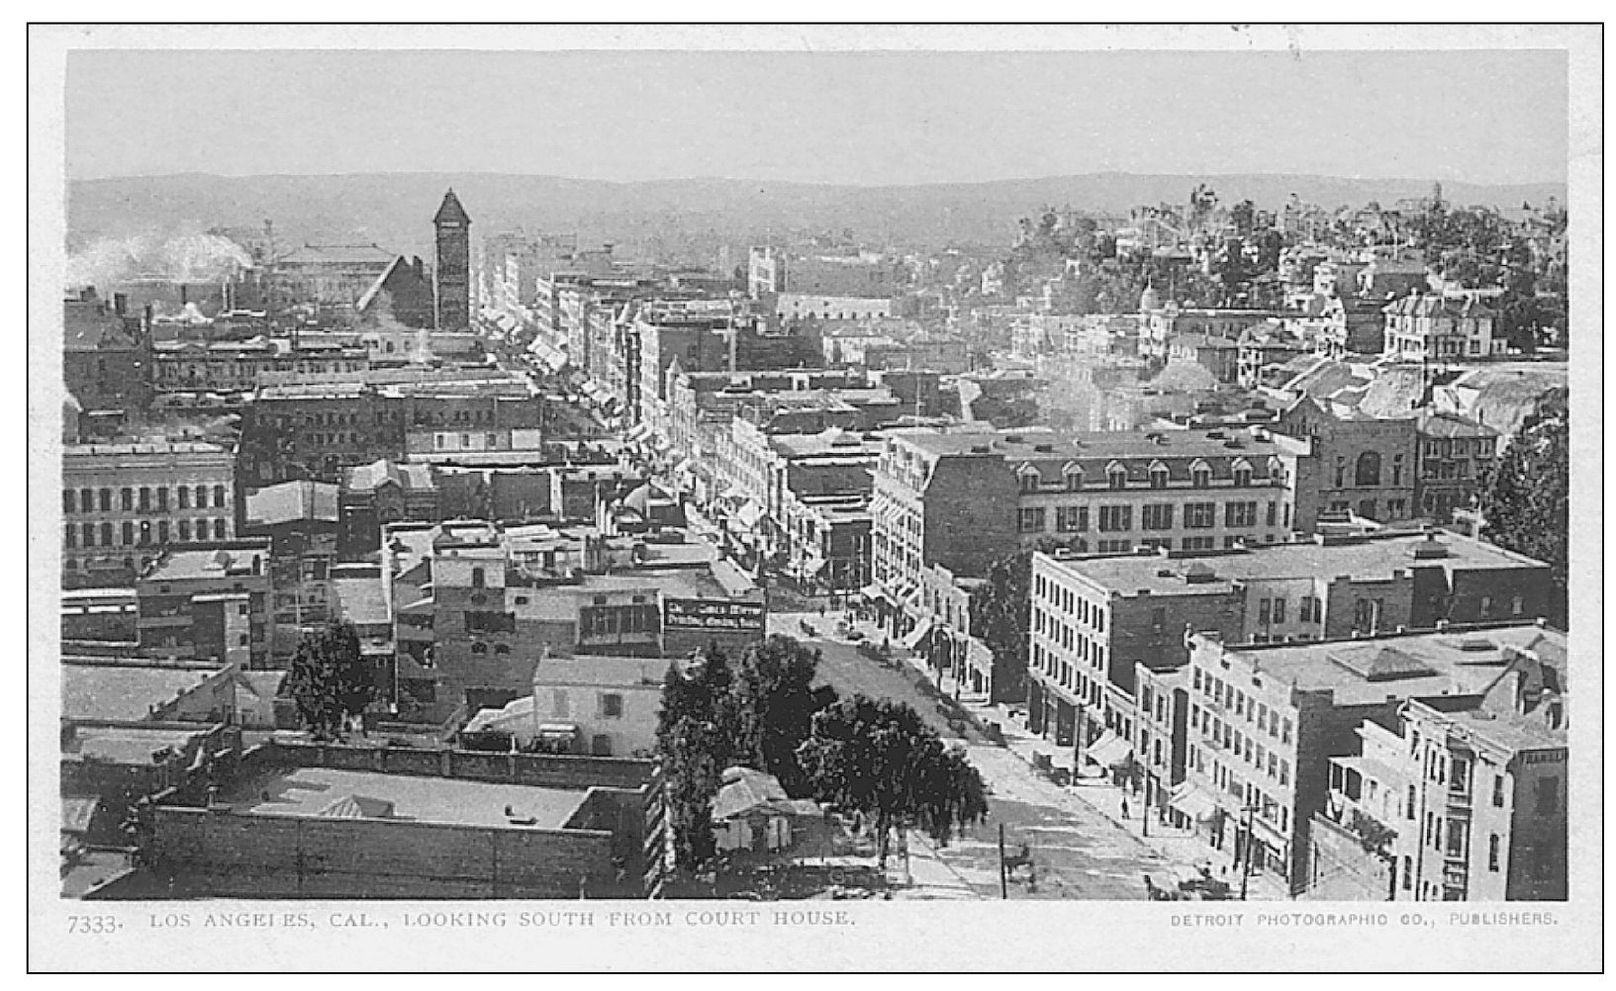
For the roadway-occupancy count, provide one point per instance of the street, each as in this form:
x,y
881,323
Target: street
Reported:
x,y
1077,853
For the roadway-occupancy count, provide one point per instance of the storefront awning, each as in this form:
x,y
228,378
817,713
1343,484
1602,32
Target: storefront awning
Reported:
x,y
1110,750
917,635
558,731
748,514
638,432
873,592
1193,802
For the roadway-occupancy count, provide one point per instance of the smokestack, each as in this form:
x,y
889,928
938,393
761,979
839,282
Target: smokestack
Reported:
x,y
185,296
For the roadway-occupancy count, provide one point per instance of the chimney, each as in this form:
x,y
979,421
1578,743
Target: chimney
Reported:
x,y
120,304
185,295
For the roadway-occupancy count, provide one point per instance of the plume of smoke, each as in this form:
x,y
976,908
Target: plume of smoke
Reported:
x,y
183,258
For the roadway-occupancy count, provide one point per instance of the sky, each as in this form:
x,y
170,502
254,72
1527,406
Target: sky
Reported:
x,y
863,118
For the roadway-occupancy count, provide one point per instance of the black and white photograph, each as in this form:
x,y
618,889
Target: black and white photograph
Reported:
x,y
785,492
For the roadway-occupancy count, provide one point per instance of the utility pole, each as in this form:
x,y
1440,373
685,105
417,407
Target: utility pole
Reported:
x,y
1004,884
1245,862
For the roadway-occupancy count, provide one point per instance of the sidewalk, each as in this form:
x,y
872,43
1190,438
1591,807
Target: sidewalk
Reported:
x,y
1182,847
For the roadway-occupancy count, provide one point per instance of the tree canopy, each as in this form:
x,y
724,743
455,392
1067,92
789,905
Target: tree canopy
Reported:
x,y
880,759
1525,500
329,680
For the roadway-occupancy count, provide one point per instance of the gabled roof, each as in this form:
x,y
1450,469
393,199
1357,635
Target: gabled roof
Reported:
x,y
451,210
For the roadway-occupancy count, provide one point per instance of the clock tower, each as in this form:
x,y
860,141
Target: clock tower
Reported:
x,y
451,276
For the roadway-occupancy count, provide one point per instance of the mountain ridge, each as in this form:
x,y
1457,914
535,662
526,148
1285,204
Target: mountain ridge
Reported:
x,y
686,216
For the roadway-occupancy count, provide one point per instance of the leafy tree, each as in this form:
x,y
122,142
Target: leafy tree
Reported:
x,y
1525,499
880,760
697,738
1001,615
329,680
775,702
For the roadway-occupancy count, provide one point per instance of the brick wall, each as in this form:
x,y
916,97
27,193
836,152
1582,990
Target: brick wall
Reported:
x,y
546,770
265,856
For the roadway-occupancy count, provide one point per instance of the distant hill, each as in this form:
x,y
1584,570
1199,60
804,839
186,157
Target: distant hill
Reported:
x,y
682,217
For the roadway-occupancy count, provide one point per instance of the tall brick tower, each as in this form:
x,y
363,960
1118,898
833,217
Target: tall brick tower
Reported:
x,y
451,276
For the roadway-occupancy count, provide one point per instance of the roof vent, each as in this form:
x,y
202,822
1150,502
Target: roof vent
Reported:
x,y
1014,439
1044,448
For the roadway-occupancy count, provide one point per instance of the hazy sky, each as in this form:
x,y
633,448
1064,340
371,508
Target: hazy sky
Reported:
x,y
864,118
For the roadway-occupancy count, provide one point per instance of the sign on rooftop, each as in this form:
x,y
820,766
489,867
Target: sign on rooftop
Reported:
x,y
712,614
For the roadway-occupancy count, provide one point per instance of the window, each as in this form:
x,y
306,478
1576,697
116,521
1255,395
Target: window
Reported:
x,y
201,497
1368,470
162,531
106,500
1116,518
1201,476
86,500
479,648
71,534
1200,515
1279,610
1156,516
128,533
184,495
1158,477
87,531
1242,477
106,534
477,578
1029,480
611,706
1285,731
1116,477
1284,772
1408,810
1074,479
1516,604
1032,519
1240,514
162,498
218,496
218,529
126,499
1065,519
67,500
1498,790
1492,852
145,499
1264,610
1408,873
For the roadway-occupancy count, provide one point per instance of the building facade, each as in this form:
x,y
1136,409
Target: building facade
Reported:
x,y
123,503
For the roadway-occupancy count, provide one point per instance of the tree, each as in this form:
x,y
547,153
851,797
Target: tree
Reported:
x,y
880,760
697,736
1001,615
329,680
775,702
1525,500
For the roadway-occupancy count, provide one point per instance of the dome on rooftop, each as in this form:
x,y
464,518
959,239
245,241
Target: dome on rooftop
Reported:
x,y
1149,300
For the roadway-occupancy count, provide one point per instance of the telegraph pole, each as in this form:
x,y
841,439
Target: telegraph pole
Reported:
x,y
1245,863
1004,884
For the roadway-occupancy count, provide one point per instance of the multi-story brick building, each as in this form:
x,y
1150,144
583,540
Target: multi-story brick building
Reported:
x,y
1462,799
1096,622
1264,722
476,607
211,603
314,426
106,353
238,366
1455,455
1349,463
451,274
122,503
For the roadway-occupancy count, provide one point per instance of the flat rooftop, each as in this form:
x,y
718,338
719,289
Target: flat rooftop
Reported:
x,y
123,692
324,791
1371,558
1024,444
1423,665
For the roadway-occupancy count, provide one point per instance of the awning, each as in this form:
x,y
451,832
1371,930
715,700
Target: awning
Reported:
x,y
558,731
1110,750
919,633
749,514
815,567
1193,802
638,431
873,591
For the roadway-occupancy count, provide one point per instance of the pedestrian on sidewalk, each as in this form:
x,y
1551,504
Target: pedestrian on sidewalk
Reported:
x,y
1125,807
